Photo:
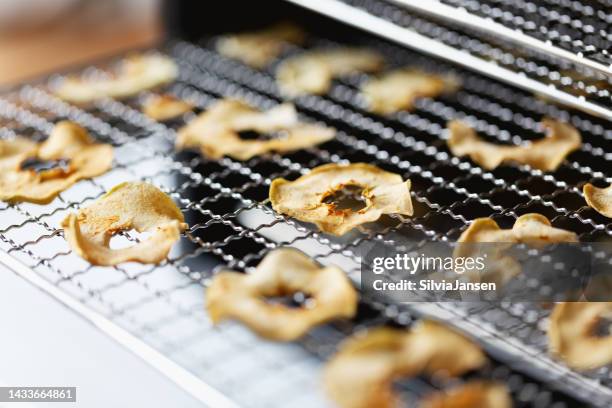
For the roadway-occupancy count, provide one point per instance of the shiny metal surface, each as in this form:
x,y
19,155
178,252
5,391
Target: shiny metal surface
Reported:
x,y
535,69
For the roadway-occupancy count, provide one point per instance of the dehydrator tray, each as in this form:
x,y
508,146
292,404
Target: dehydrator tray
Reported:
x,y
458,32
157,311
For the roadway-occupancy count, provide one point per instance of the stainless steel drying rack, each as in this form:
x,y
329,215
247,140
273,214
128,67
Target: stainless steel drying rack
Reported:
x,y
493,44
544,26
157,311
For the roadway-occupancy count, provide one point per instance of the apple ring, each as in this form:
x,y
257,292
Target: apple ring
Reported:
x,y
600,199
474,394
572,334
165,107
312,72
126,206
545,154
234,295
259,48
215,131
361,373
136,73
304,198
534,229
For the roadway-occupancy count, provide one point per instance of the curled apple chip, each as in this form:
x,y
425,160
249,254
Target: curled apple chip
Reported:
x,y
398,90
362,372
481,394
306,198
313,71
14,152
600,199
216,131
545,154
136,73
127,206
165,107
285,271
573,334
67,142
259,48
533,229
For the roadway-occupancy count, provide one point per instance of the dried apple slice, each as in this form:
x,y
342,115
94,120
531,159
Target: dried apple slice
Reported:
x,y
285,271
305,198
399,89
474,394
572,334
67,141
533,229
127,206
362,372
600,199
545,154
14,152
165,107
216,131
313,71
136,73
259,48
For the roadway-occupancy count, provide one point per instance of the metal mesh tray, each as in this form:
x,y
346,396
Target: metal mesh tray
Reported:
x,y
231,223
581,27
567,71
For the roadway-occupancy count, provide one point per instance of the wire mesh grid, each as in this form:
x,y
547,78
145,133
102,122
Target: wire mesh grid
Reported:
x,y
594,87
231,222
582,27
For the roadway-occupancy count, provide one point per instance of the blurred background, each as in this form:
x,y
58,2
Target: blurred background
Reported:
x,y
38,36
